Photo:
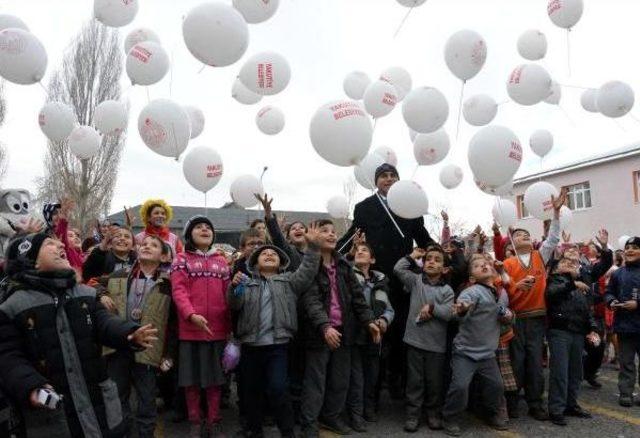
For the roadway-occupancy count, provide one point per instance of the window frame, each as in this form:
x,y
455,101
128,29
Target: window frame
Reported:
x,y
635,177
573,192
521,208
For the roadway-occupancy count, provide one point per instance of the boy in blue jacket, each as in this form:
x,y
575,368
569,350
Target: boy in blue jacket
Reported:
x,y
623,296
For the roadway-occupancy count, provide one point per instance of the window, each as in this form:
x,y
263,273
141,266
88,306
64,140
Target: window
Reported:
x,y
636,186
579,196
522,209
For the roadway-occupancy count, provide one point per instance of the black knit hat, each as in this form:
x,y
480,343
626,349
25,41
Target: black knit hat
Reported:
x,y
191,224
22,252
385,167
632,241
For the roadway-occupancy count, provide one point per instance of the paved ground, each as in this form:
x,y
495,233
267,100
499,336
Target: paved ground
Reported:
x,y
610,420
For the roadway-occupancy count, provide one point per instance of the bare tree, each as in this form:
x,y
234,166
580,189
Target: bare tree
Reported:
x,y
4,155
90,74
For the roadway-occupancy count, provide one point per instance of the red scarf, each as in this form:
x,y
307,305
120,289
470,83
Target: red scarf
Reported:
x,y
161,232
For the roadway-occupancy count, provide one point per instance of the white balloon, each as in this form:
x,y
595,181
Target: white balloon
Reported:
x,y
431,148
11,21
566,217
494,155
565,13
23,59
541,142
505,189
411,3
115,13
111,117
202,168
243,95
537,199
341,132
365,171
256,11
387,154
588,100
399,78
504,213
532,45
243,190
465,54
380,98
84,142
338,207
266,73
425,109
451,176
139,35
355,84
57,120
479,110
529,84
556,94
270,120
622,241
164,127
147,63
216,34
196,120
408,200
615,99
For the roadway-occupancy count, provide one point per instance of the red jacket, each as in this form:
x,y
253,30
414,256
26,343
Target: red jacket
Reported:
x,y
199,284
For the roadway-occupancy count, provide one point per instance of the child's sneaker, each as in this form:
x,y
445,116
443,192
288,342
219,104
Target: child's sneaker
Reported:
x,y
497,423
411,425
625,401
370,415
452,429
335,425
357,424
434,421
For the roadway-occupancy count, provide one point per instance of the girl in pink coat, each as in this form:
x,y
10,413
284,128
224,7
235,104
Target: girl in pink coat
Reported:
x,y
200,277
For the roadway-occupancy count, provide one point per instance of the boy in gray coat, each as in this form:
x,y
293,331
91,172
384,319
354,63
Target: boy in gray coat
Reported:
x,y
267,321
481,311
430,309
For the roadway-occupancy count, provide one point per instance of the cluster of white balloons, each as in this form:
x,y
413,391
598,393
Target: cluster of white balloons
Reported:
x,y
613,99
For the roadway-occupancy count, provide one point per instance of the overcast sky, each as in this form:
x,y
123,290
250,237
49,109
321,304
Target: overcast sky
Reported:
x,y
324,40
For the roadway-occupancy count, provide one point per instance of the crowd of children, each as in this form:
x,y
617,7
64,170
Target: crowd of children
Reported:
x,y
311,336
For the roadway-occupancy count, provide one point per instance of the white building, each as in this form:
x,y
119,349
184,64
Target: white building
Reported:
x,y
603,191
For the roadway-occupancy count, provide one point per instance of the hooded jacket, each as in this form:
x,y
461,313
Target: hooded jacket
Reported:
x,y
285,288
624,285
199,282
377,297
51,330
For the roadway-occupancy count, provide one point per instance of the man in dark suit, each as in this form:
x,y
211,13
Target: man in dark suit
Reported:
x,y
389,246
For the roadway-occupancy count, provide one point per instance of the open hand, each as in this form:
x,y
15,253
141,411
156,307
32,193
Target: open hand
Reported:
x,y
30,226
66,206
313,235
629,306
445,217
558,203
200,322
129,217
566,237
603,238
266,204
144,337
